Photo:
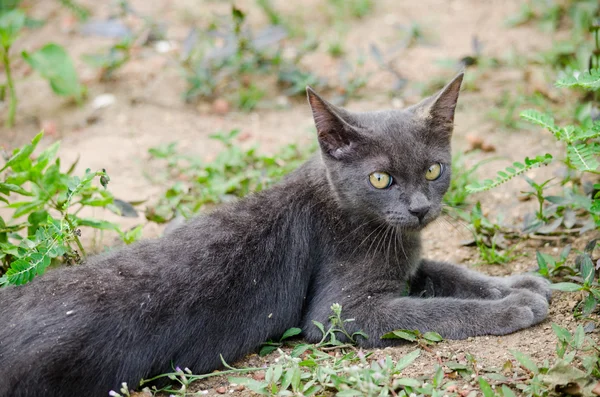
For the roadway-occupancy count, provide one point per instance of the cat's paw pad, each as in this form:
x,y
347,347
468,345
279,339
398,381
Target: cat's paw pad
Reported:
x,y
539,285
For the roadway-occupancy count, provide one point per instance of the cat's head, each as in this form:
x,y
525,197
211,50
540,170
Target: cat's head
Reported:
x,y
389,165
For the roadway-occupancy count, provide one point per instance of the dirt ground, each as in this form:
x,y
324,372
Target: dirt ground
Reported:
x,y
148,111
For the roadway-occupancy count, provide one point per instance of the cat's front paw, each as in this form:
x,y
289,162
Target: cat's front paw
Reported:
x,y
520,309
539,285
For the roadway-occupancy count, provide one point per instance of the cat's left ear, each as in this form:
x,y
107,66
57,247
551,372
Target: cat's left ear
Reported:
x,y
439,109
336,131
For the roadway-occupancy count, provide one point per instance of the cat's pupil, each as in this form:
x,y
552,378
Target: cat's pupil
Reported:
x,y
434,172
380,180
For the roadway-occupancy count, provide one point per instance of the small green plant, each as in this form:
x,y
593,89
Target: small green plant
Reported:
x,y
549,266
270,346
462,176
51,61
235,172
585,280
423,340
54,64
45,224
489,238
337,327
11,23
237,71
113,59
344,9
510,172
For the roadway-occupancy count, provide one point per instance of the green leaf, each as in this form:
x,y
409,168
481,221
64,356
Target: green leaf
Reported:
x,y
299,349
509,173
349,393
433,337
486,389
587,268
525,361
584,156
401,334
407,359
97,224
562,333
542,264
24,270
589,304
578,336
254,385
543,120
407,382
265,350
567,287
589,80
55,65
14,188
23,152
11,23
291,332
319,325
507,392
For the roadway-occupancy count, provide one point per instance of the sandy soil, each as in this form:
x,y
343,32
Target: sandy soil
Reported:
x,y
149,111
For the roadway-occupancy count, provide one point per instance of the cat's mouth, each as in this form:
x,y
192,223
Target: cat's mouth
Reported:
x,y
407,222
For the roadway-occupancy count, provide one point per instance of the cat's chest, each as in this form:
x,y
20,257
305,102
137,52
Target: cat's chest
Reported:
x,y
383,248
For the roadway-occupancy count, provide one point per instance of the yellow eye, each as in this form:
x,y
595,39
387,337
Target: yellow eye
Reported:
x,y
433,172
380,180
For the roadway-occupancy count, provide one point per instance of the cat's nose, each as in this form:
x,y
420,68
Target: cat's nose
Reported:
x,y
419,211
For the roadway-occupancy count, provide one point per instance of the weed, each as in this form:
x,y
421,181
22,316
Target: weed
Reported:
x,y
343,9
270,346
51,61
51,202
507,111
462,176
114,58
11,23
582,278
232,60
549,266
55,65
234,173
489,238
337,326
423,340
311,370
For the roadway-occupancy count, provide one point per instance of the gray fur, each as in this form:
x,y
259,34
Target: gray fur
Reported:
x,y
224,282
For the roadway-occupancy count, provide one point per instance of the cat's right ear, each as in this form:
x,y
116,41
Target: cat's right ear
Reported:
x,y
337,136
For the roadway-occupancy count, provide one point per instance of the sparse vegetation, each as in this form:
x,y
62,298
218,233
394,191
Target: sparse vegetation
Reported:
x,y
45,226
229,59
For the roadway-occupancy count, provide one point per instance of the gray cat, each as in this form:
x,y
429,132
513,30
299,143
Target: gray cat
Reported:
x,y
343,228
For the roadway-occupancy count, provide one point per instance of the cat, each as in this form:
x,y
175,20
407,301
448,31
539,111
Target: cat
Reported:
x,y
342,228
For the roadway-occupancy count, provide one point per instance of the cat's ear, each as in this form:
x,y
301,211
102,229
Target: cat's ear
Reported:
x,y
439,109
338,137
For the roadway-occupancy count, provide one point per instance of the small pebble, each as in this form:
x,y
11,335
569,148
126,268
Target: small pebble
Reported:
x,y
221,390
